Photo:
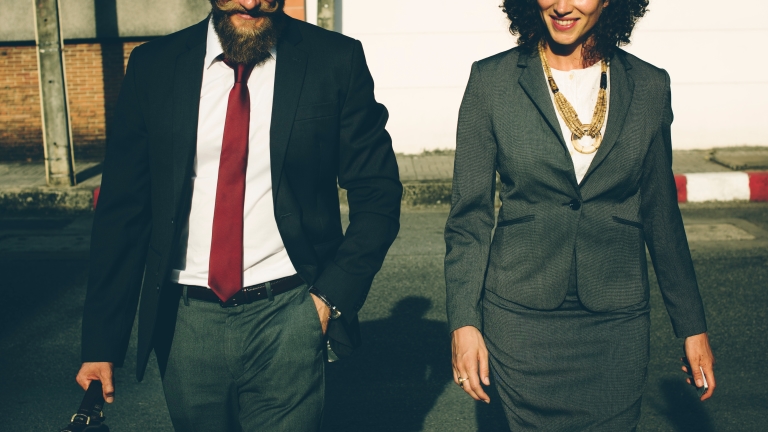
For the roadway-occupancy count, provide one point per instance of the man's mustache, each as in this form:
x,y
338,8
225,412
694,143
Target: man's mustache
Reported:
x,y
232,8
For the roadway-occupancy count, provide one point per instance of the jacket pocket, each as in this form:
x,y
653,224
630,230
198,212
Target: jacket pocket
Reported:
x,y
627,222
513,252
515,221
620,278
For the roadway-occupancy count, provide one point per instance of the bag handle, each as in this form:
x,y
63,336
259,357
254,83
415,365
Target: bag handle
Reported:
x,y
90,408
93,401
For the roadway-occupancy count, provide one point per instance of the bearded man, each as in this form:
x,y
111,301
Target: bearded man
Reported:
x,y
219,214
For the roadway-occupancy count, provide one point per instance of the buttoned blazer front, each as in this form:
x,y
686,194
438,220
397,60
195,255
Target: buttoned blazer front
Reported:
x,y
549,226
327,130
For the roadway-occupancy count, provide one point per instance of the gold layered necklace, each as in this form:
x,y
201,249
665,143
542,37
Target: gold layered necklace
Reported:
x,y
577,128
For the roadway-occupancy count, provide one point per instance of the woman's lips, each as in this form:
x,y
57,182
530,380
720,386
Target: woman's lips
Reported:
x,y
563,25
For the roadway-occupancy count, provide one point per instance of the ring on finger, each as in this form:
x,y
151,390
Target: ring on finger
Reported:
x,y
461,382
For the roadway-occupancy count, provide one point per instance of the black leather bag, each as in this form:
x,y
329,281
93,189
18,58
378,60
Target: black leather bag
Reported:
x,y
89,418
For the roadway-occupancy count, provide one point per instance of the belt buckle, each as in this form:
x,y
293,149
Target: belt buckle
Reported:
x,y
229,303
233,301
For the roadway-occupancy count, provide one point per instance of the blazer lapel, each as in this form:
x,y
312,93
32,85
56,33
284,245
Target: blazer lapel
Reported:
x,y
622,88
533,83
289,79
535,86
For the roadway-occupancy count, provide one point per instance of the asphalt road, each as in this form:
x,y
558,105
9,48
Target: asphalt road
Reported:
x,y
400,380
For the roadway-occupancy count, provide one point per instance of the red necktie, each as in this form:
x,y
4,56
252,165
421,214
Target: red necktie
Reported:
x,y
225,267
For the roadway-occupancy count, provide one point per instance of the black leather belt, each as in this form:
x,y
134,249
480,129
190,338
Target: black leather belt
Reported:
x,y
246,295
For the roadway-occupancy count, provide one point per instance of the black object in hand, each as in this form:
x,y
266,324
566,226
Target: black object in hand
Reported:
x,y
89,418
699,390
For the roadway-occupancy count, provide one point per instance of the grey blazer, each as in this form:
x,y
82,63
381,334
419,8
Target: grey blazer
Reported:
x,y
626,201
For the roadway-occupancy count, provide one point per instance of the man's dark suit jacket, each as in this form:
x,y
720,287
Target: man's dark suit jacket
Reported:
x,y
549,225
326,125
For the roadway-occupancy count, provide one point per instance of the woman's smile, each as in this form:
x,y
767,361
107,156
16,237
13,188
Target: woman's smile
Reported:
x,y
563,24
570,21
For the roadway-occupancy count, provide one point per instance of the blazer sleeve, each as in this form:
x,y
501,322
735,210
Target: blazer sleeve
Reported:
x,y
120,233
471,219
368,171
665,234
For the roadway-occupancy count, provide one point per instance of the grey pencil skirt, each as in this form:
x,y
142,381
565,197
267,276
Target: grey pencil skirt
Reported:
x,y
568,369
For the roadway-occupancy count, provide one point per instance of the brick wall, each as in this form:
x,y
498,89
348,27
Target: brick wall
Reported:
x,y
19,103
94,72
295,8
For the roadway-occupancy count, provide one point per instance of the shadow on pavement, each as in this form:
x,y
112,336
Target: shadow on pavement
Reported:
x,y
29,287
683,408
89,172
393,381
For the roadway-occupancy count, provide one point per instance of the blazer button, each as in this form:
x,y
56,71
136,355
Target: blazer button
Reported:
x,y
574,204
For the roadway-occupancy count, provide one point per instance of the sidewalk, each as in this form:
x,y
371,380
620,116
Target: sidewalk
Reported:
x,y
728,174
23,189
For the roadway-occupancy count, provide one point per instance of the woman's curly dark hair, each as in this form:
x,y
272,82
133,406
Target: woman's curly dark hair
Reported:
x,y
612,29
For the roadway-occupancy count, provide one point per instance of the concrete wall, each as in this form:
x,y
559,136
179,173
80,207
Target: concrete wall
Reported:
x,y
87,19
420,54
95,61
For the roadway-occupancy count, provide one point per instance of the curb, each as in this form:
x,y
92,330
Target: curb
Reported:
x,y
47,199
723,186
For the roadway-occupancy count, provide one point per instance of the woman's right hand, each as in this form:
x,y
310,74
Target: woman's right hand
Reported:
x,y
470,362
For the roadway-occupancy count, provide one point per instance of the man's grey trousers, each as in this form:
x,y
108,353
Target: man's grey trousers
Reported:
x,y
255,367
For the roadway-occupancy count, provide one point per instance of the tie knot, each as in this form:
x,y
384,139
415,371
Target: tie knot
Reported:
x,y
242,70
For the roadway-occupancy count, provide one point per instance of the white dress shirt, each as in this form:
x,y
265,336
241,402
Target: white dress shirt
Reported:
x,y
264,255
580,87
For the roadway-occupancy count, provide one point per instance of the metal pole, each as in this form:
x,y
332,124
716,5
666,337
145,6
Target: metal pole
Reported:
x,y
59,157
325,14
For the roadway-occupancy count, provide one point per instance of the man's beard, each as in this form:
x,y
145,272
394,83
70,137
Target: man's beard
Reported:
x,y
247,45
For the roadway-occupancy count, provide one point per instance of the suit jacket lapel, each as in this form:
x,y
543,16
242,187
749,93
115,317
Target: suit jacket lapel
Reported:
x,y
535,86
188,79
533,83
621,90
289,79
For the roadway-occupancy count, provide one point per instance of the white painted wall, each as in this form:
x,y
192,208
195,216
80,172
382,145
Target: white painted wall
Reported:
x,y
420,54
716,57
310,11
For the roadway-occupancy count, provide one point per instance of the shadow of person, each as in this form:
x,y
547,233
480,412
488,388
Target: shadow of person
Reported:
x,y
682,407
392,382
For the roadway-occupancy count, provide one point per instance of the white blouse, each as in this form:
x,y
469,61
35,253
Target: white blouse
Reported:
x,y
580,87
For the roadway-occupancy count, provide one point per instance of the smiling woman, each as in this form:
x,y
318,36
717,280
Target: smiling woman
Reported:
x,y
611,30
552,304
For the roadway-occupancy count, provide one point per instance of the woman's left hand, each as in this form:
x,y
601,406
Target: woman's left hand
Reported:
x,y
699,354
